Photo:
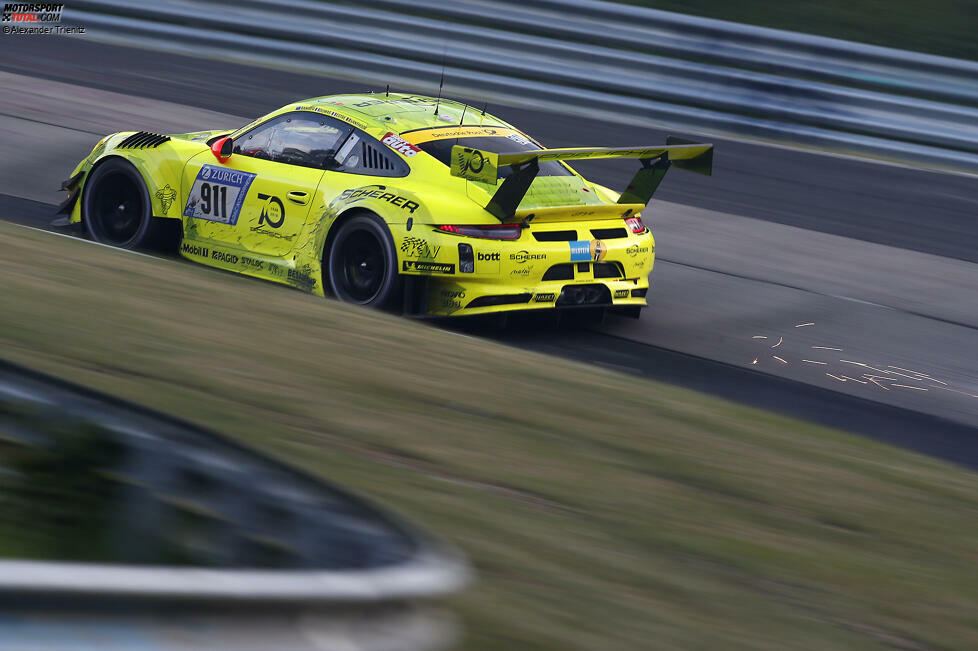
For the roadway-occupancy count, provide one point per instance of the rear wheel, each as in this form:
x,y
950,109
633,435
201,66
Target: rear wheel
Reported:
x,y
362,263
116,207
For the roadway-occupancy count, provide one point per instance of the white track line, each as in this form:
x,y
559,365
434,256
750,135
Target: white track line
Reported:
x,y
81,239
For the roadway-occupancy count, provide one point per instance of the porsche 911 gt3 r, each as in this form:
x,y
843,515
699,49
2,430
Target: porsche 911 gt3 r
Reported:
x,y
392,200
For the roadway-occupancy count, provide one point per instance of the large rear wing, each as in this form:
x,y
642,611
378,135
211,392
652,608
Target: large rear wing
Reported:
x,y
483,166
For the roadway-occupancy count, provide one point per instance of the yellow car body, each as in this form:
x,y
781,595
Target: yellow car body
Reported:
x,y
434,171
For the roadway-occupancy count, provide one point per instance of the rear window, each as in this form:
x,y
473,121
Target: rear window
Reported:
x,y
442,150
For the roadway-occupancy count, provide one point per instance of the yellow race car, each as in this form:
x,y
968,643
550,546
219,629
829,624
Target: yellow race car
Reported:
x,y
399,201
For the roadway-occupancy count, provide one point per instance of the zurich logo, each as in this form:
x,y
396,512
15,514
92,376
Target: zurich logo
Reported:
x,y
205,173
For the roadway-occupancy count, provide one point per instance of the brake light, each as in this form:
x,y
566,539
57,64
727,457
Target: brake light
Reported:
x,y
486,232
635,225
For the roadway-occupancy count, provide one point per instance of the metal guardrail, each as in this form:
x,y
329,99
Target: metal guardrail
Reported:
x,y
160,535
593,58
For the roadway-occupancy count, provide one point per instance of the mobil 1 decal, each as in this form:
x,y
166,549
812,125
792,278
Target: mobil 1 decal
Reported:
x,y
217,194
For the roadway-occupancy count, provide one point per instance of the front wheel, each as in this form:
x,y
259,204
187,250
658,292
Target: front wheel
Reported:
x,y
362,263
116,207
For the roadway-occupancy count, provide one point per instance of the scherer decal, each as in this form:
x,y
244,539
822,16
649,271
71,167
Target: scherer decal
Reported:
x,y
377,192
635,250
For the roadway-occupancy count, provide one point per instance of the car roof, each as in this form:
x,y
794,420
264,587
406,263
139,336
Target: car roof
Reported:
x,y
398,112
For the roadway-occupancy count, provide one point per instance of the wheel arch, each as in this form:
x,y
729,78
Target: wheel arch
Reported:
x,y
336,227
169,229
341,219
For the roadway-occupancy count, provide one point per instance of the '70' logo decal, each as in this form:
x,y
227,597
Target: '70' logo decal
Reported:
x,y
273,212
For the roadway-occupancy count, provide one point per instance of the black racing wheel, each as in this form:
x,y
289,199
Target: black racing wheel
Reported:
x,y
116,207
362,264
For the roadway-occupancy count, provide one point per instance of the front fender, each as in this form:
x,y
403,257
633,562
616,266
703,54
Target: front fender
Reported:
x,y
160,163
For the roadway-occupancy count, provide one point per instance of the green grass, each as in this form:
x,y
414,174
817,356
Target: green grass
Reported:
x,y
601,511
945,27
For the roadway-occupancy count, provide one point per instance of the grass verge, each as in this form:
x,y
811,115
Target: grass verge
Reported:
x,y
601,511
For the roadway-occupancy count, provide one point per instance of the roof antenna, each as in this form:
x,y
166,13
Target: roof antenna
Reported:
x,y
387,93
460,121
484,107
441,83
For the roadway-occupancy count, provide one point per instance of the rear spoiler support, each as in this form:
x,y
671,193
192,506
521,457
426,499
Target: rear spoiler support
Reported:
x,y
507,198
646,181
483,166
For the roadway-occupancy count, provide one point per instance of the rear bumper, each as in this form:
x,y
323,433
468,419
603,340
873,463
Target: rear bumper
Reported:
x,y
526,274
460,299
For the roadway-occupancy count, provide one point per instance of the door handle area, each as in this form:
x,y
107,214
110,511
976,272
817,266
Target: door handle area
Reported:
x,y
296,196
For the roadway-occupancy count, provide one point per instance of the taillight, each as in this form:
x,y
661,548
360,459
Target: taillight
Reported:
x,y
486,232
635,225
466,260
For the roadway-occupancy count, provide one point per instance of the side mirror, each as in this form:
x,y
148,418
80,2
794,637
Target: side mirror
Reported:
x,y
222,149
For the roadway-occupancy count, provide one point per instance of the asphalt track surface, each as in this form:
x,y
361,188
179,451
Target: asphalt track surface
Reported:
x,y
782,281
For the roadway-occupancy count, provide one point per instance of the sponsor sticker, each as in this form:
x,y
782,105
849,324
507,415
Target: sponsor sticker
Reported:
x,y
580,251
587,250
621,293
422,266
598,250
301,279
455,132
193,249
166,195
635,250
549,297
252,263
378,192
224,256
522,257
487,260
334,114
399,144
217,194
417,247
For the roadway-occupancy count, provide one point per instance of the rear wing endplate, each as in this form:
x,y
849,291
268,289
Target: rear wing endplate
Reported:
x,y
483,166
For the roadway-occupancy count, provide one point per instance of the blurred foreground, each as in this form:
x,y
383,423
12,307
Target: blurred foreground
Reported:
x,y
600,510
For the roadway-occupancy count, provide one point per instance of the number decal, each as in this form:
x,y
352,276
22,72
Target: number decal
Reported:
x,y
217,194
205,198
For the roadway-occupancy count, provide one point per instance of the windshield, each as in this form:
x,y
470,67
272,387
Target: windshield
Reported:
x,y
442,150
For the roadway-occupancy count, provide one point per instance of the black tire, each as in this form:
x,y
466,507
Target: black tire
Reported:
x,y
117,210
362,263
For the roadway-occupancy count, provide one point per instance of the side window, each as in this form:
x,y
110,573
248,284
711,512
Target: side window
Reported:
x,y
363,154
298,138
